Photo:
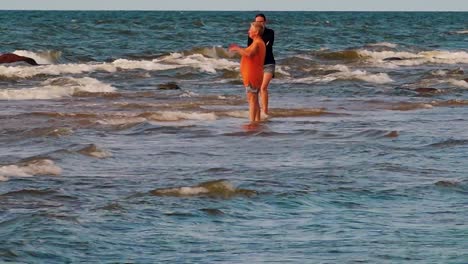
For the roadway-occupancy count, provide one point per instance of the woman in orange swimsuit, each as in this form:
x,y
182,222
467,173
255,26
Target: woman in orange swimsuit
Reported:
x,y
251,68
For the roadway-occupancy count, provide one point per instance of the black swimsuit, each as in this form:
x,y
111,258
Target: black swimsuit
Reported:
x,y
269,38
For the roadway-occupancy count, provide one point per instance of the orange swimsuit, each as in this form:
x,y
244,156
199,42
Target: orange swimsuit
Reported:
x,y
251,67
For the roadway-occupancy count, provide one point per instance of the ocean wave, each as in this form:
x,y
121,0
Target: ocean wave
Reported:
x,y
376,133
173,61
29,169
49,132
179,115
57,88
405,58
153,65
210,52
157,116
449,143
94,151
448,72
120,120
200,62
461,32
54,70
383,44
217,189
450,103
342,72
458,83
408,106
340,55
29,192
41,57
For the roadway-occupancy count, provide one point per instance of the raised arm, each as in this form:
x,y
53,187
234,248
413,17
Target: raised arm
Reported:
x,y
249,51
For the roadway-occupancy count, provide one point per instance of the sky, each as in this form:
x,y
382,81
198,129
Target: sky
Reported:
x,y
242,5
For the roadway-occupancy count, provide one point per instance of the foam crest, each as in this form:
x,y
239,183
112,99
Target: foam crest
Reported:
x,y
383,44
198,61
60,69
95,152
179,115
172,61
57,88
30,169
28,71
117,121
344,73
217,188
461,32
413,59
41,57
211,52
458,83
238,114
153,65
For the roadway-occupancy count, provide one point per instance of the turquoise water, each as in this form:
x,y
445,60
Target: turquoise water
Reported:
x,y
363,159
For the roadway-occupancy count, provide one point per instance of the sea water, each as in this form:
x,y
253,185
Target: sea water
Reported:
x,y
131,144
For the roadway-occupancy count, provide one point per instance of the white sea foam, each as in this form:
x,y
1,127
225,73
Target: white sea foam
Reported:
x,y
188,94
282,70
238,114
179,115
198,61
413,59
192,190
346,74
115,121
30,169
100,154
461,32
439,73
41,57
458,83
93,151
58,69
153,65
173,61
57,88
383,44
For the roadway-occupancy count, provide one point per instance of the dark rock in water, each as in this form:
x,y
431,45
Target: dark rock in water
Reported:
x,y
447,183
392,134
393,59
10,58
457,71
427,90
466,80
168,86
341,55
111,207
212,211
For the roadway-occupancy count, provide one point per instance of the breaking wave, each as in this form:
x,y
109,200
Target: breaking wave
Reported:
x,y
29,169
57,88
217,189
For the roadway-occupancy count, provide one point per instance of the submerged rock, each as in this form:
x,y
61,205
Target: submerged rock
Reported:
x,y
446,183
393,59
169,86
217,189
427,90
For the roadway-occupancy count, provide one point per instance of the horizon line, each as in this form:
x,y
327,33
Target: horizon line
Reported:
x,y
230,10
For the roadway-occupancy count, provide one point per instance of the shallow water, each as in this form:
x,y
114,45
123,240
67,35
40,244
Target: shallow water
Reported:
x,y
362,159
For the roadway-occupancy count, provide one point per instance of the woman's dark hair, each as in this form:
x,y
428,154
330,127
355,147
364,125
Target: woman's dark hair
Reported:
x,y
260,15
